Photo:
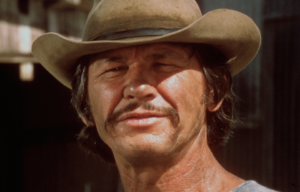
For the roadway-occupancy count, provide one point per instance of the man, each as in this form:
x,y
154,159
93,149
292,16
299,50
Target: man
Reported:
x,y
152,82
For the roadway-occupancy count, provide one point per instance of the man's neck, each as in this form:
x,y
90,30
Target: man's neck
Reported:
x,y
197,170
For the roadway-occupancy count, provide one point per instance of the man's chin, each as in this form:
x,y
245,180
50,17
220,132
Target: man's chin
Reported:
x,y
143,146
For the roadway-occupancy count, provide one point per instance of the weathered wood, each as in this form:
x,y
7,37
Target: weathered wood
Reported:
x,y
21,58
18,30
69,23
84,5
281,61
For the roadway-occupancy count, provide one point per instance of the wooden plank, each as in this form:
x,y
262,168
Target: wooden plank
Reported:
x,y
18,31
84,5
16,59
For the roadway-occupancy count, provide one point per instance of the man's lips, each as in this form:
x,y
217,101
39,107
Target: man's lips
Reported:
x,y
140,116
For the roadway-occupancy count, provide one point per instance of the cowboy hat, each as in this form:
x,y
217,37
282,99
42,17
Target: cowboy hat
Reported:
x,y
113,24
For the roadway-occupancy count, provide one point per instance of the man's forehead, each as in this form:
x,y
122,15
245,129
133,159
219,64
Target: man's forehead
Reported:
x,y
153,51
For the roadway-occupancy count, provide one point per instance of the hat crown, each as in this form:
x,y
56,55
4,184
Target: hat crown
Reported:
x,y
114,16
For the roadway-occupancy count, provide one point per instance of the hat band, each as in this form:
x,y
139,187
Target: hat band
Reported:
x,y
135,33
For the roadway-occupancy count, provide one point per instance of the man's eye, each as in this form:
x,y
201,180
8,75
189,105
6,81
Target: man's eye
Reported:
x,y
114,72
161,65
164,67
116,69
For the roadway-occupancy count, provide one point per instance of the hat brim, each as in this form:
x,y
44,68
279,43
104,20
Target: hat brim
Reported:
x,y
231,32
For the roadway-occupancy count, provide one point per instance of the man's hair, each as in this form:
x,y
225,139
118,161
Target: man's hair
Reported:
x,y
219,84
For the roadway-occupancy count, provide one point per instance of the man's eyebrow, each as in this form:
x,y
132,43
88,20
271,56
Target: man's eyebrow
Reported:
x,y
165,54
115,58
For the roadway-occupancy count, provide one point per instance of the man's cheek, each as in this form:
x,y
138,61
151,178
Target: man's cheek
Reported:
x,y
100,103
111,96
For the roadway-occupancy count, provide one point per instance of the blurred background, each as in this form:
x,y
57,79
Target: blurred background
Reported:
x,y
38,149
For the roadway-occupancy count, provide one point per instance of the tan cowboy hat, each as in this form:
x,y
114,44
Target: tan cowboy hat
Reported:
x,y
113,24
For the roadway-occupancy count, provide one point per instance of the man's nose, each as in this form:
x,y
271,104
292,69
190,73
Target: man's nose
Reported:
x,y
140,85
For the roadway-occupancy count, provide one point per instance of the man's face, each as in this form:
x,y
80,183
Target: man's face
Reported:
x,y
147,100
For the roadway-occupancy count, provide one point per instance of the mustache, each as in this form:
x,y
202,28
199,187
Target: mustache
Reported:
x,y
168,111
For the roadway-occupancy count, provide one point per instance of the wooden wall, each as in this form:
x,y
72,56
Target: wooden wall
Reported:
x,y
18,30
281,88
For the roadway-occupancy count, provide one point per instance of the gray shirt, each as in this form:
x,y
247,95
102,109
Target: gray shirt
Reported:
x,y
251,186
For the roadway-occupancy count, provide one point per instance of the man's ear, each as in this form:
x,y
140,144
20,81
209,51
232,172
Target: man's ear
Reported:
x,y
213,107
87,122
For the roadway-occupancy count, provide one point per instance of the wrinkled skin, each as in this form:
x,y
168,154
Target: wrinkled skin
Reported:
x,y
151,147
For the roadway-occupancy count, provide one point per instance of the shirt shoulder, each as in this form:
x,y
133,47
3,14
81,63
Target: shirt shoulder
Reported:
x,y
250,186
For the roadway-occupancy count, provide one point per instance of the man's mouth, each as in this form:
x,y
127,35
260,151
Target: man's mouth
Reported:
x,y
141,118
145,115
140,115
